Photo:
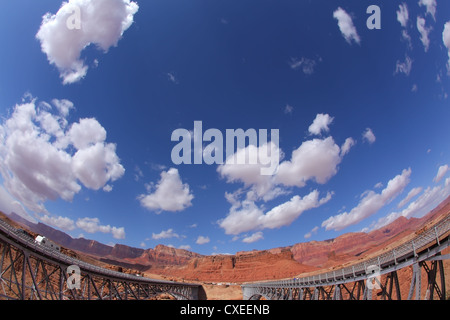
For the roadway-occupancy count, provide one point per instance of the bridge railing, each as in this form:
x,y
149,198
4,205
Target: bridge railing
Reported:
x,y
58,256
392,257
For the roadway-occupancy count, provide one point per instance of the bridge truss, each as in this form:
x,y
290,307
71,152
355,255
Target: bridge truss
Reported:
x,y
29,271
377,277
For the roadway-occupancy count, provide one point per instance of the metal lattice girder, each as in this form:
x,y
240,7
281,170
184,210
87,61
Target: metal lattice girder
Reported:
x,y
389,285
29,271
436,268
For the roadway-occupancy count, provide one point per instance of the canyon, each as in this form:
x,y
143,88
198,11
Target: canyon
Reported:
x,y
218,272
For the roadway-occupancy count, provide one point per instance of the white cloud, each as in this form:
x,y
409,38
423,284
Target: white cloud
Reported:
x,y
92,225
411,194
404,67
254,237
86,133
288,109
63,223
424,32
346,26
403,18
430,198
369,136
64,106
446,40
402,15
41,159
316,159
202,240
165,234
9,205
185,247
102,22
431,7
442,171
170,194
313,231
246,215
305,64
348,144
98,156
369,204
171,77
378,185
320,123
250,174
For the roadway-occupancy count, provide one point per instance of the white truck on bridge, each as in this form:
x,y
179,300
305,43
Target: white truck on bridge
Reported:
x,y
43,241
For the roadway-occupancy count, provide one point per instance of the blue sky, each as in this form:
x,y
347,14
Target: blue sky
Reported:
x,y
88,113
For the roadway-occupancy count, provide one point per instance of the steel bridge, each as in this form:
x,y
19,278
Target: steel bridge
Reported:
x,y
30,271
377,277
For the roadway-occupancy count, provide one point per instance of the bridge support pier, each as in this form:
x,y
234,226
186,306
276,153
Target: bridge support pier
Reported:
x,y
434,270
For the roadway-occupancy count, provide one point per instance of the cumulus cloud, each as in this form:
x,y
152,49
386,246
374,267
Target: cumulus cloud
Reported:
x,y
100,22
42,159
9,204
320,123
424,32
446,40
236,169
369,204
346,26
315,159
63,223
202,240
165,234
247,215
442,171
254,237
431,7
414,192
369,136
170,193
92,225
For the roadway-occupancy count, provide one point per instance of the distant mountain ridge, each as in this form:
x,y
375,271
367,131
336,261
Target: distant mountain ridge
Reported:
x,y
247,265
160,255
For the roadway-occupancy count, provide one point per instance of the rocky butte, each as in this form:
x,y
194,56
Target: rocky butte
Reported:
x,y
277,263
